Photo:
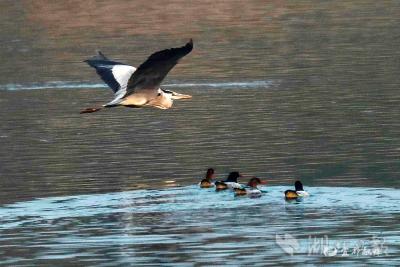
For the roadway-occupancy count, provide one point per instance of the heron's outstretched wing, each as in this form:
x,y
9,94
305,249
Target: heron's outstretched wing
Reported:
x,y
150,74
114,74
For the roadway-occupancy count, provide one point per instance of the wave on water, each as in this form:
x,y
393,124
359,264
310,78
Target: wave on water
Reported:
x,y
250,84
191,198
190,224
50,85
80,85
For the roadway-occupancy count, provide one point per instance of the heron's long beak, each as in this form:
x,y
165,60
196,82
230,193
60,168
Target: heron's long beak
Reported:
x,y
176,95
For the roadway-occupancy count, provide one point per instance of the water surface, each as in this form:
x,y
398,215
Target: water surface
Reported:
x,y
188,224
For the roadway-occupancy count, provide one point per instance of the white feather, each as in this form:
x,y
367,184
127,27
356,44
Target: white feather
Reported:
x,y
121,74
232,185
303,193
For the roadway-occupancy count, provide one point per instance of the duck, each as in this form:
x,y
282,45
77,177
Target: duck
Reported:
x,y
230,182
251,189
207,182
299,192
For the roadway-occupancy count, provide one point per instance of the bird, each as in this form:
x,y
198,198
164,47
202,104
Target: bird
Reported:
x,y
297,193
136,88
207,182
230,182
250,189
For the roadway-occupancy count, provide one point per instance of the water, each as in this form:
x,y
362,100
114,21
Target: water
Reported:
x,y
186,225
286,90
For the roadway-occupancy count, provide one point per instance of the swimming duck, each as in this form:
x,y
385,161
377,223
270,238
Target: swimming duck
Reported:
x,y
207,182
251,189
229,183
299,192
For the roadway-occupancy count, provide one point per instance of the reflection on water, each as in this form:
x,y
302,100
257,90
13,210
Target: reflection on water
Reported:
x,y
75,85
282,90
188,224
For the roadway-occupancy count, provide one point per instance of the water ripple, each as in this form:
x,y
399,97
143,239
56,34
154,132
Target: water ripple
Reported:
x,y
171,222
81,85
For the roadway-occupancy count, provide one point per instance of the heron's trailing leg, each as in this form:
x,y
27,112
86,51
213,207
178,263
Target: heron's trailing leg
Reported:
x,y
90,110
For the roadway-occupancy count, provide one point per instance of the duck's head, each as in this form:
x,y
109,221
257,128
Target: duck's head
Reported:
x,y
210,174
205,183
232,177
255,181
220,186
298,186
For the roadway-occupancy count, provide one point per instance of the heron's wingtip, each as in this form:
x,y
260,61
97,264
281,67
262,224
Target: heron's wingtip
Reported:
x,y
189,45
99,56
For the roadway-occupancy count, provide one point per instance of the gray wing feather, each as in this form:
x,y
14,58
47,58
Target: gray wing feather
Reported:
x,y
104,68
152,72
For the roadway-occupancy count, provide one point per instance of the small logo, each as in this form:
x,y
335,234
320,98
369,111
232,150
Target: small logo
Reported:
x,y
288,243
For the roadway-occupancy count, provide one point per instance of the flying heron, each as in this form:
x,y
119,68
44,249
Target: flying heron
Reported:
x,y
139,87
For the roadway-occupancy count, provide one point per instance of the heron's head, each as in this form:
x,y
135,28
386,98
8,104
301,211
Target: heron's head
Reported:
x,y
175,95
165,99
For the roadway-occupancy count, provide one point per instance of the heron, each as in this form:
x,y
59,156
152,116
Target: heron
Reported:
x,y
136,88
